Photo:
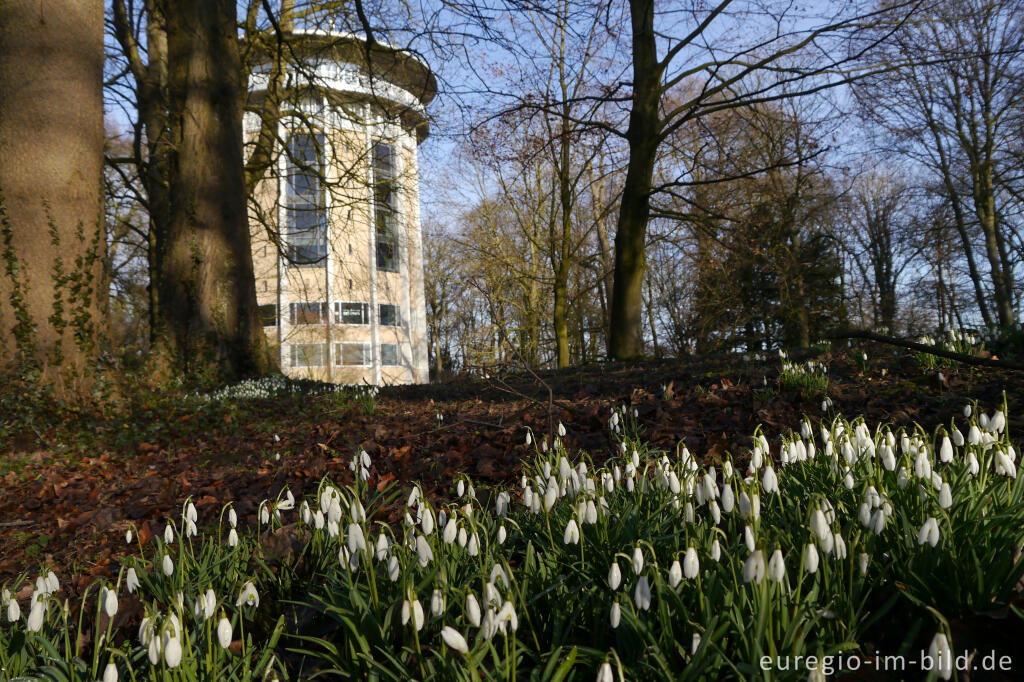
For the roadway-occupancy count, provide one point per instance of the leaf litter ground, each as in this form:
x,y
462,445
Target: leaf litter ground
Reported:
x,y
72,490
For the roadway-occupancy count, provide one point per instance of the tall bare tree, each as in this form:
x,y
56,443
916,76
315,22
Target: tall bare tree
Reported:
x,y
52,293
954,106
803,54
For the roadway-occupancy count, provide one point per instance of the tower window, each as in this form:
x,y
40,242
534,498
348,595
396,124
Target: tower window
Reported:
x,y
389,354
268,313
309,354
357,354
385,206
352,313
308,313
305,214
390,315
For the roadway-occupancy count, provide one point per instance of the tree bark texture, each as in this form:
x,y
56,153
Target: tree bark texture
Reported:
x,y
52,288
208,314
625,336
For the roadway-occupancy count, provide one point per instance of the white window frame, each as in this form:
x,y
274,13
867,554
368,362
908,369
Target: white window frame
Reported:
x,y
339,318
322,313
398,355
339,356
295,354
398,314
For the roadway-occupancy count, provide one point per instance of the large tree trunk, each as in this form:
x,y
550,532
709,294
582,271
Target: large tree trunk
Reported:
x,y
51,171
625,337
207,293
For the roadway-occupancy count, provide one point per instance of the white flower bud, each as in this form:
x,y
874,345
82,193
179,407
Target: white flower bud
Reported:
x,y
224,632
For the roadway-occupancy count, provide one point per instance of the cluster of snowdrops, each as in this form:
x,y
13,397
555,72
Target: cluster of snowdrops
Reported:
x,y
643,565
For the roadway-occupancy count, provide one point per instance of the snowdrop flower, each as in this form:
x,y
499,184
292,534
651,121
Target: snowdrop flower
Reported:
x,y
753,568
427,523
716,550
473,610
167,565
454,639
224,632
638,560
941,656
694,643
929,532
748,538
109,600
13,609
888,458
839,550
154,650
393,568
642,593
776,567
209,604
383,547
248,596
1005,466
502,535
233,538
972,464
946,451
675,574
412,610
264,513
691,566
974,435
864,514
462,537
922,465
423,551
501,504
35,616
473,546
127,540
550,494
604,673
848,480
132,580
436,603
770,481
862,562
819,525
614,576
110,673
877,521
728,499
572,533
305,513
172,651
615,616
811,558
168,534
945,496
561,430
507,617
356,539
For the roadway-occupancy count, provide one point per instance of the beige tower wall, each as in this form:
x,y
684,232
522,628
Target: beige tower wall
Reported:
x,y
349,275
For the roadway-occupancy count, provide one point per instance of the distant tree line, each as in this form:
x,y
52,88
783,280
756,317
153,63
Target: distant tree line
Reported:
x,y
633,179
